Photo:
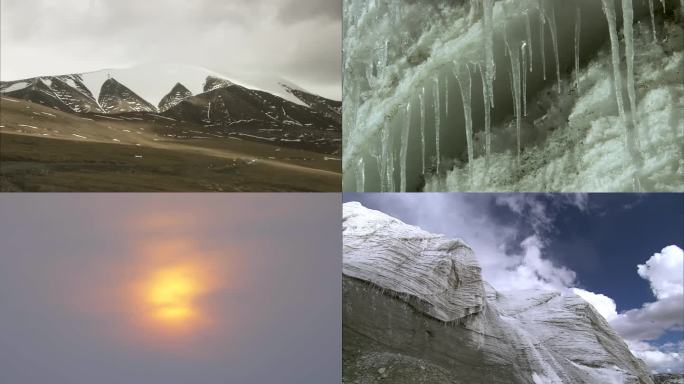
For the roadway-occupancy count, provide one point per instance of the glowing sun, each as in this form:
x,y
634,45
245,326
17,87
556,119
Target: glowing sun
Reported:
x,y
172,294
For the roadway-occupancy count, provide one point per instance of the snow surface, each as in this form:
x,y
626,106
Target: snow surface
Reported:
x,y
154,80
16,87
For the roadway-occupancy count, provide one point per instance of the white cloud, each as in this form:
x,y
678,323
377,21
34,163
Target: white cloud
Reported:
x,y
295,39
602,303
661,359
540,210
534,266
640,325
652,320
665,272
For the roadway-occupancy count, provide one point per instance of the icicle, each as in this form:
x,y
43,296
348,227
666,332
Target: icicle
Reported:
x,y
384,180
627,20
630,139
489,65
650,9
487,110
404,147
360,175
609,11
446,96
474,9
528,31
554,38
377,155
465,84
435,101
578,27
421,97
542,23
523,53
514,55
663,3
390,160
488,70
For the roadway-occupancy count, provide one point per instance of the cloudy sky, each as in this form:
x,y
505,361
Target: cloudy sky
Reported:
x,y
621,252
298,40
163,288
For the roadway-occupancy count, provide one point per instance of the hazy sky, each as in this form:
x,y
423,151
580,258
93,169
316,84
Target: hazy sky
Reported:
x,y
624,251
299,40
75,271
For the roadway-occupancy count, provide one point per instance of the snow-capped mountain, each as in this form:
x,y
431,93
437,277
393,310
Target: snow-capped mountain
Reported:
x,y
152,82
178,93
117,98
67,93
265,109
416,310
213,82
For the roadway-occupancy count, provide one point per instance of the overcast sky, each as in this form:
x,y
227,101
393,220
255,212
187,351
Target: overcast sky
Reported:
x,y
299,40
75,270
621,252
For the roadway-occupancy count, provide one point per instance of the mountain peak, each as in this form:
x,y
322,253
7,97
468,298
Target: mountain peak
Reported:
x,y
214,82
117,98
178,93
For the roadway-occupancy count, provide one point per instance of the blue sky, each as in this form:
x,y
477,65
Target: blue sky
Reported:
x,y
589,241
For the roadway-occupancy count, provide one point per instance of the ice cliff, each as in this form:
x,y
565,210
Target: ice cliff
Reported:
x,y
416,310
517,95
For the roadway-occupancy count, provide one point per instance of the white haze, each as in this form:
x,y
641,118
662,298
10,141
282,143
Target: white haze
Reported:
x,y
298,40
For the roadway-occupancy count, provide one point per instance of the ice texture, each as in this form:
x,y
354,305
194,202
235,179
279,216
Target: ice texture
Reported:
x,y
528,131
416,310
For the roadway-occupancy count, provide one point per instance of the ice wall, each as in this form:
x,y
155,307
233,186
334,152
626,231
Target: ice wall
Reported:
x,y
483,82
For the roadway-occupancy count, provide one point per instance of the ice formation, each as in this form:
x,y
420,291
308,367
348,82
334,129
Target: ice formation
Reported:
x,y
517,128
416,310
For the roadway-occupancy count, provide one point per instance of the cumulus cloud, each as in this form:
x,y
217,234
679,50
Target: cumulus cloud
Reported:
x,y
602,303
639,326
652,320
665,272
667,358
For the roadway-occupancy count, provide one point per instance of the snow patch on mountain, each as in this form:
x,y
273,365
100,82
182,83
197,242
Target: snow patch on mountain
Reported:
x,y
152,81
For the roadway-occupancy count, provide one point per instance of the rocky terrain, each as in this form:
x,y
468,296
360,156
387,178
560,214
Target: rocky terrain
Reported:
x,y
416,310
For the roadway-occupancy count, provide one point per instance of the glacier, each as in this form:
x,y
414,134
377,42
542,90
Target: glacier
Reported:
x,y
415,309
513,95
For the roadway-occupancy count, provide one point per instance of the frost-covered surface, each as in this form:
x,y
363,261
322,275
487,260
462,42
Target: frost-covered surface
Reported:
x,y
409,301
491,97
448,285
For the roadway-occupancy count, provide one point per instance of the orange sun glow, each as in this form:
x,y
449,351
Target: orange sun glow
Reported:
x,y
172,294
